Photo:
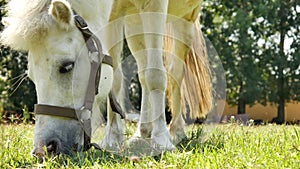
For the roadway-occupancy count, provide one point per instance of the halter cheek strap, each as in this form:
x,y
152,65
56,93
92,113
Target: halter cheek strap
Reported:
x,y
94,47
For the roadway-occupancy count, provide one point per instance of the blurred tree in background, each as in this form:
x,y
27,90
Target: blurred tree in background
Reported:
x,y
17,91
227,24
258,43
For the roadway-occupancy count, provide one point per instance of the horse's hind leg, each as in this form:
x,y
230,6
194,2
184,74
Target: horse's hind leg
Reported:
x,y
176,73
183,38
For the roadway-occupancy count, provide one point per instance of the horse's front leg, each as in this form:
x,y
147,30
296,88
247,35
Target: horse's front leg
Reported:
x,y
152,74
115,129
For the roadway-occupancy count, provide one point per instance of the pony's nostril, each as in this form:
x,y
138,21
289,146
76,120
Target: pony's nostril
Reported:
x,y
53,147
39,152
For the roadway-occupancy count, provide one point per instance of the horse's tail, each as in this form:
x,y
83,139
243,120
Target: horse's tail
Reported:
x,y
196,88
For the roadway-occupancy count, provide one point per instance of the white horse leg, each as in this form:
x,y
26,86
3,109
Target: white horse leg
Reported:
x,y
183,33
146,46
155,73
177,123
137,47
114,132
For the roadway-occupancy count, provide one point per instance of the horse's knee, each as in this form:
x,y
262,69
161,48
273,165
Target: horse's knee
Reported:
x,y
155,79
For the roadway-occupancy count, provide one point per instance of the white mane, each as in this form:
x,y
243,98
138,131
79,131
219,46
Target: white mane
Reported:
x,y
28,21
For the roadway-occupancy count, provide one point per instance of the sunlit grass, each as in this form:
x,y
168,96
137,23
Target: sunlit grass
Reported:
x,y
226,146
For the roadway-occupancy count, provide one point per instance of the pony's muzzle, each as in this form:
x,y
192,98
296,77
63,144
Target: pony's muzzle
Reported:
x,y
53,147
39,152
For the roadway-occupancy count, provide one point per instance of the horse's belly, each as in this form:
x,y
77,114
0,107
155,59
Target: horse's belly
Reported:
x,y
183,9
186,9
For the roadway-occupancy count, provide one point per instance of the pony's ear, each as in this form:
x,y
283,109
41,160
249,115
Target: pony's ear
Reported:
x,y
62,13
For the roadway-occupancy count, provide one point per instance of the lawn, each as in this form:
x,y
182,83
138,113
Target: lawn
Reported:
x,y
225,146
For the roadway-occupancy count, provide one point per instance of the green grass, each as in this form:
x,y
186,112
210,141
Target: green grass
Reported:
x,y
226,146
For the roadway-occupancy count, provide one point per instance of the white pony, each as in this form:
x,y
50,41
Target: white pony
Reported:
x,y
59,65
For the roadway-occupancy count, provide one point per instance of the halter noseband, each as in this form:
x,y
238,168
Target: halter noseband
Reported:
x,y
94,46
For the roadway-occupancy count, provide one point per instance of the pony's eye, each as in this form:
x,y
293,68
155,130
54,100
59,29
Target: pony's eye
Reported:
x,y
66,67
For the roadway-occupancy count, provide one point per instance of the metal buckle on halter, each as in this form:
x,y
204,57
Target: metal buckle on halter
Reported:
x,y
83,114
80,22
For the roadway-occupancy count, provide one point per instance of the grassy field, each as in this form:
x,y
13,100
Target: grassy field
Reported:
x,y
227,146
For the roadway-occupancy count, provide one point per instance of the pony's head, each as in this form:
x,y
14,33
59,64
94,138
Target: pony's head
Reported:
x,y
58,64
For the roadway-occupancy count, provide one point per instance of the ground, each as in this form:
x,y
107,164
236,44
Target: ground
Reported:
x,y
226,146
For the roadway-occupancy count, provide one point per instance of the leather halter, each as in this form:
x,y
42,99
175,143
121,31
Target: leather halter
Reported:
x,y
94,47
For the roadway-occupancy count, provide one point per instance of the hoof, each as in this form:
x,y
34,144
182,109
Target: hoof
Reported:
x,y
113,143
178,137
161,143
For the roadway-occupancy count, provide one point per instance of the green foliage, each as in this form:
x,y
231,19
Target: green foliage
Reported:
x,y
236,47
18,90
226,146
249,37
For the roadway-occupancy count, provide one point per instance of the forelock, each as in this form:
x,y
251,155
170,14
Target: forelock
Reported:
x,y
26,24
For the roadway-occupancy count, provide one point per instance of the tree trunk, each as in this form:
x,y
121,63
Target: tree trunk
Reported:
x,y
241,101
281,104
281,92
281,95
241,106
